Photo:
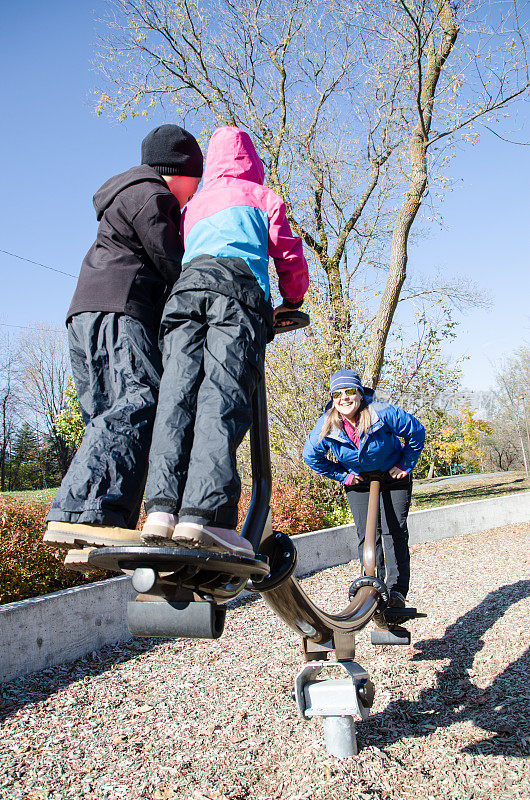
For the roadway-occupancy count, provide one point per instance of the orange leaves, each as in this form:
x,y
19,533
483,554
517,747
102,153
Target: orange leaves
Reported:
x,y
294,509
28,567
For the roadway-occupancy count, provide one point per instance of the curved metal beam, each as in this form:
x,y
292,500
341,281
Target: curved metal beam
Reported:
x,y
288,600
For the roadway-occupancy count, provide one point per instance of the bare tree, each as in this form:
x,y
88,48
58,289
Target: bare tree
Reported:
x,y
45,369
288,73
348,104
451,88
9,400
502,449
513,382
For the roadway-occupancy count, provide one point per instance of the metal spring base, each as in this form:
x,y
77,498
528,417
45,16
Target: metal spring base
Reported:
x,y
336,701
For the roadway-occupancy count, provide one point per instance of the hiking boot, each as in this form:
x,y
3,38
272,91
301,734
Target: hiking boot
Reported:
x,y
206,537
396,600
73,534
158,528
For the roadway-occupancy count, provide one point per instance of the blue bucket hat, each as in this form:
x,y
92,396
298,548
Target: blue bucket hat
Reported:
x,y
348,379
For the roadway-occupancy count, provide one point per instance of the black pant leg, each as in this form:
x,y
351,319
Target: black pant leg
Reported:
x,y
395,503
117,368
233,359
185,327
358,501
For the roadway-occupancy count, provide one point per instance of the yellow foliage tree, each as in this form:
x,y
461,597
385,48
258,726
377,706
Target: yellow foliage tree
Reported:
x,y
472,432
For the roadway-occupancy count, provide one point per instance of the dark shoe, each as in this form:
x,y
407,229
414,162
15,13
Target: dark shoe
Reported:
x,y
397,600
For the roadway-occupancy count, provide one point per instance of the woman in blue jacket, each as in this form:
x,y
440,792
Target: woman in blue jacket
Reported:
x,y
363,437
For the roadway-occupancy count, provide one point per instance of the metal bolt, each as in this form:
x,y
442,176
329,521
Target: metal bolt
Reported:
x,y
143,579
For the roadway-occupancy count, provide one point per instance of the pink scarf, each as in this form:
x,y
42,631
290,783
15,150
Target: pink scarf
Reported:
x,y
351,430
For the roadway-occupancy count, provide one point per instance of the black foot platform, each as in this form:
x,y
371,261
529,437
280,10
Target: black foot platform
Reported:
x,y
394,634
398,616
178,587
178,561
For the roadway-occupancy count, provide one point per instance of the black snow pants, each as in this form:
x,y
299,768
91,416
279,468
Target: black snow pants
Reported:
x,y
213,356
392,549
116,364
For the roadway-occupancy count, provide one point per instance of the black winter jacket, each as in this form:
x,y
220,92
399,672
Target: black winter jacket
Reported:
x,y
137,255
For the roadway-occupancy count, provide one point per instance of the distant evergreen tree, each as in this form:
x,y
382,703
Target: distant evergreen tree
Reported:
x,y
24,467
33,462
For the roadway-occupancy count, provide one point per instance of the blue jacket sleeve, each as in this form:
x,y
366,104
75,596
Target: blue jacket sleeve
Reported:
x,y
411,430
314,455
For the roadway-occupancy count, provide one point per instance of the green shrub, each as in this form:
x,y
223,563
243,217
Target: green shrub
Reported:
x,y
28,567
337,513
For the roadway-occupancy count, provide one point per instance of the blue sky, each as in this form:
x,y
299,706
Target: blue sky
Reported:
x,y
56,153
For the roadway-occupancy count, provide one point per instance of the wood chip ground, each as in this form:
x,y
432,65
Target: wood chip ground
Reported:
x,y
197,720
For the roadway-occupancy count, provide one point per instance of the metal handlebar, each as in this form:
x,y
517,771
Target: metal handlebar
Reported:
x,y
292,321
288,599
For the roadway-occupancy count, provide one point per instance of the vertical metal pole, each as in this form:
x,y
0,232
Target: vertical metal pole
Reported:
x,y
259,507
339,733
372,517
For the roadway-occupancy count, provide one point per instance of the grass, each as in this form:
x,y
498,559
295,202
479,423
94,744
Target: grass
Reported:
x,y
425,494
36,495
434,492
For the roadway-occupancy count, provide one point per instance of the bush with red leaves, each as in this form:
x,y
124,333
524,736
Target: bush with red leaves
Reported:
x,y
294,508
28,567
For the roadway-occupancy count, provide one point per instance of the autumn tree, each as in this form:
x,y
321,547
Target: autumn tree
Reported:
x,y
349,105
443,444
474,432
69,422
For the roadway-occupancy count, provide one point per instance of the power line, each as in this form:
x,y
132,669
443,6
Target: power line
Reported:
x,y
28,328
45,266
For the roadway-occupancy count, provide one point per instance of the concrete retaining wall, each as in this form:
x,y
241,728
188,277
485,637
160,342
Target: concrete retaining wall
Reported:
x,y
63,626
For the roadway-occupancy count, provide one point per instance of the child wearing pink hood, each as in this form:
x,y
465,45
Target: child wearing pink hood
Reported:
x,y
215,326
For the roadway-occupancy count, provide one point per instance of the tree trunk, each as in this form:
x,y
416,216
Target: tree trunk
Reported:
x,y
398,261
419,142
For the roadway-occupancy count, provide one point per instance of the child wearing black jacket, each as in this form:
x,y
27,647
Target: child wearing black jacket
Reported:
x,y
113,325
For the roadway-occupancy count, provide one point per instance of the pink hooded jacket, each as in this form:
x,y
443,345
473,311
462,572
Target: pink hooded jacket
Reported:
x,y
235,215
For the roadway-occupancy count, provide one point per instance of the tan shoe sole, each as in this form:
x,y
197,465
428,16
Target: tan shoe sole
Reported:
x,y
77,561
200,538
156,533
75,533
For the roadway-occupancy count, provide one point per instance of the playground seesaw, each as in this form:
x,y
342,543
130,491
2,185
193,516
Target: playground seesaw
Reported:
x,y
183,593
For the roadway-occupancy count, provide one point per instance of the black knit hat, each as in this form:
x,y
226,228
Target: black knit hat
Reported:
x,y
172,151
